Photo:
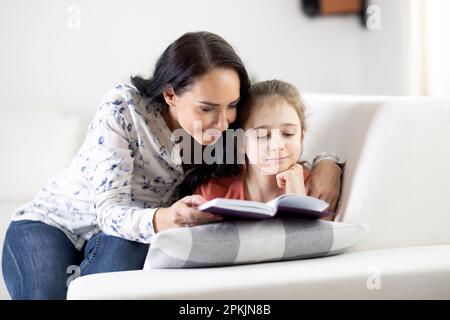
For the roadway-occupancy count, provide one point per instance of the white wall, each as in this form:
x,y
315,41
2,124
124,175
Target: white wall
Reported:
x,y
437,39
385,51
44,62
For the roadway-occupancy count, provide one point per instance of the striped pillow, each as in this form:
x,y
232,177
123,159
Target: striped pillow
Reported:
x,y
249,241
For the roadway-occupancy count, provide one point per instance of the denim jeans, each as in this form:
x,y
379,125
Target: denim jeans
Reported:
x,y
39,260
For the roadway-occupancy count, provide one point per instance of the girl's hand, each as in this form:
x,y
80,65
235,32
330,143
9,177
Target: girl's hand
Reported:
x,y
183,213
325,183
292,180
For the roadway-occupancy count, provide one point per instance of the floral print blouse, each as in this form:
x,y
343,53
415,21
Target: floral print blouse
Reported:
x,y
125,169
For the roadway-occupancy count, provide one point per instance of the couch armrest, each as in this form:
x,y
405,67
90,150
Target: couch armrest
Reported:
x,y
396,177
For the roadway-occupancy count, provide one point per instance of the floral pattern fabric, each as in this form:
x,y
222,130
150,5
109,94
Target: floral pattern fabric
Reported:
x,y
125,169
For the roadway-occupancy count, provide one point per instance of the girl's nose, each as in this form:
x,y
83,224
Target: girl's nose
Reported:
x,y
276,143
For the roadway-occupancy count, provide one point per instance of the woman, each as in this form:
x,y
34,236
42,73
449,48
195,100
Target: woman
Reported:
x,y
99,215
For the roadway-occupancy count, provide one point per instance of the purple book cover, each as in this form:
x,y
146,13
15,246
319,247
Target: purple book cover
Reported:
x,y
282,211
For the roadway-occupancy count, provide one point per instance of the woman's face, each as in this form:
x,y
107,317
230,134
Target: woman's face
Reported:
x,y
274,138
208,106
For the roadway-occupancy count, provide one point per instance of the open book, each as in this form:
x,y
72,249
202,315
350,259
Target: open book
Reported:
x,y
288,204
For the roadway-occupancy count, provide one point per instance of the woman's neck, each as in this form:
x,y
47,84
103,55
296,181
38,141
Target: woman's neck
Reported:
x,y
260,187
169,119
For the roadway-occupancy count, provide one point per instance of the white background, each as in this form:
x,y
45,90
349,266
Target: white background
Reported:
x,y
45,62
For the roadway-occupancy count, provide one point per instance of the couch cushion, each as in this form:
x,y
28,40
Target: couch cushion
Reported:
x,y
35,144
244,241
400,273
401,181
396,177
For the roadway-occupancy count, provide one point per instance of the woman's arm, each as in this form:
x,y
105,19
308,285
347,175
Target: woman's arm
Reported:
x,y
325,181
183,213
112,160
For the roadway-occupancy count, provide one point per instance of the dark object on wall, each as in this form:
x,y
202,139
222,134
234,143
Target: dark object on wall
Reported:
x,y
315,8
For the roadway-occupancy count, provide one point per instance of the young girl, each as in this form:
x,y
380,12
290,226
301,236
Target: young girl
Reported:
x,y
273,119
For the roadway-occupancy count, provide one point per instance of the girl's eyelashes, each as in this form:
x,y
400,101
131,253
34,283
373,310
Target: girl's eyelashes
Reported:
x,y
268,136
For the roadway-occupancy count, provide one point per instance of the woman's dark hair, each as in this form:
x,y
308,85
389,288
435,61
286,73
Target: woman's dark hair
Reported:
x,y
187,58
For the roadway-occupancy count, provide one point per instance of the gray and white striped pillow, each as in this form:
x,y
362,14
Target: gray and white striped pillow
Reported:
x,y
249,241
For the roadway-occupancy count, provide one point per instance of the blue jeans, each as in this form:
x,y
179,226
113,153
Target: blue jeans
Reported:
x,y
38,259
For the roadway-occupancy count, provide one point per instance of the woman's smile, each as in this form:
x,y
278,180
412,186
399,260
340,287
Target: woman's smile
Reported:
x,y
212,133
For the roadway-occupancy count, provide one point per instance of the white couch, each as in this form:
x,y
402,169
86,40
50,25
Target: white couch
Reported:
x,y
396,180
35,145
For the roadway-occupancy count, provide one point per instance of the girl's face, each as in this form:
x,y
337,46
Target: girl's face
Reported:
x,y
207,108
274,139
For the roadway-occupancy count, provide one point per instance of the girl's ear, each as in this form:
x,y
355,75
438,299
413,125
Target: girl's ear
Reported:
x,y
169,96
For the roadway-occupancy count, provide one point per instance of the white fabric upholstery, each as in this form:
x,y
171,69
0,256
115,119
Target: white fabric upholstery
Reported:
x,y
406,199
407,273
396,177
36,144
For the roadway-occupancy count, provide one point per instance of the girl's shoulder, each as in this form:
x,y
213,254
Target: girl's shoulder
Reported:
x,y
306,174
223,187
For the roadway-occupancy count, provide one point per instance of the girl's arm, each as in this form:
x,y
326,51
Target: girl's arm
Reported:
x,y
292,180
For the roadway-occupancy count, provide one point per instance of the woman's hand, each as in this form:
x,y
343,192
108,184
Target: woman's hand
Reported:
x,y
292,180
183,213
325,183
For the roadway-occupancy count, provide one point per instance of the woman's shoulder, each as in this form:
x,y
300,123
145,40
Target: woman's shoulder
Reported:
x,y
126,95
122,94
225,182
124,101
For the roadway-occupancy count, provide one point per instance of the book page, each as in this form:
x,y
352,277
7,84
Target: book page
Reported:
x,y
298,201
243,208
